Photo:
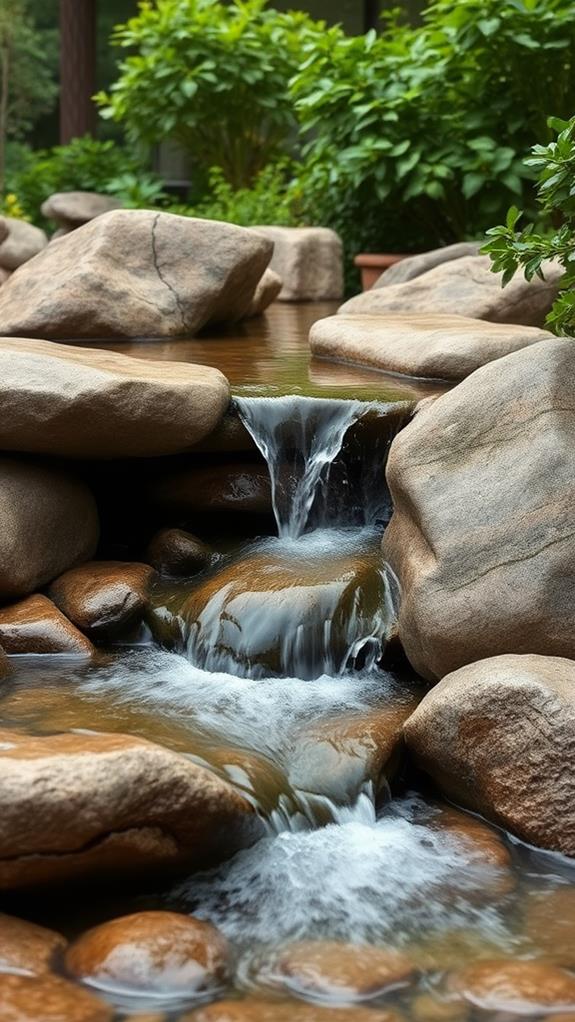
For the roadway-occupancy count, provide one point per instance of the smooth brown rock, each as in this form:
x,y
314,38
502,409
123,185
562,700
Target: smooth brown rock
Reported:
x,y
35,625
518,987
104,598
99,404
254,1009
434,346
427,1008
482,538
178,553
72,209
49,999
135,273
499,737
243,488
464,287
414,266
485,847
266,292
82,806
335,971
550,924
26,947
22,243
309,261
153,952
48,523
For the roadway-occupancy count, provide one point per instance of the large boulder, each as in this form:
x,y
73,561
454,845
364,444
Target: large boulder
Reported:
x,y
73,209
465,287
498,737
436,346
99,404
481,543
21,243
136,273
84,805
48,523
309,261
35,625
414,266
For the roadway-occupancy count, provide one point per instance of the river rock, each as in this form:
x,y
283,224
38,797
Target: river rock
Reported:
x,y
465,287
99,404
90,805
266,292
152,952
482,538
49,999
135,273
26,947
22,242
414,266
103,598
240,487
335,971
72,209
499,738
514,987
309,261
177,553
48,522
427,1008
550,924
435,346
35,625
253,1009
481,846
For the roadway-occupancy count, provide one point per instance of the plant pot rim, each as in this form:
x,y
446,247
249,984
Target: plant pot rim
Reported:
x,y
379,258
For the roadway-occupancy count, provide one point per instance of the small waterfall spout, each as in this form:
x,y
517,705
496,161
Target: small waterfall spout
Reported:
x,y
301,438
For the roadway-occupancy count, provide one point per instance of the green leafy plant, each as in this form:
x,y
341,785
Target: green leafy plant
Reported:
x,y
272,199
512,249
214,77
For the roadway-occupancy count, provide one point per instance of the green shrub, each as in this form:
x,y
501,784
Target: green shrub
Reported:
x,y
272,199
214,77
513,249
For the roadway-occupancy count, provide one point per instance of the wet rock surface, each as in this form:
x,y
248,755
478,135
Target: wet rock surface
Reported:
x,y
49,999
158,952
434,346
135,273
98,404
35,625
499,737
48,522
243,488
178,553
26,947
518,987
550,924
259,1010
104,598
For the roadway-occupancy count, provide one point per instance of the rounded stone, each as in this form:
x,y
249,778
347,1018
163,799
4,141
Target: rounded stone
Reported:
x,y
515,986
27,947
177,553
156,952
483,845
427,1008
253,1009
334,971
35,625
49,999
103,598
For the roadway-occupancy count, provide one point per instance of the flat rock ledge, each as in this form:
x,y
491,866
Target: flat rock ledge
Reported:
x,y
432,346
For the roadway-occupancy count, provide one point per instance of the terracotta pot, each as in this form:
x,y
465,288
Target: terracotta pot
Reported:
x,y
373,265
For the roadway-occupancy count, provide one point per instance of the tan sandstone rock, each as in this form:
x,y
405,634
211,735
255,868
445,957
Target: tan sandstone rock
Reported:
x,y
309,261
499,737
135,273
482,540
103,598
78,806
21,244
155,952
464,287
35,625
99,404
49,999
518,987
414,266
435,346
72,209
266,292
26,947
48,522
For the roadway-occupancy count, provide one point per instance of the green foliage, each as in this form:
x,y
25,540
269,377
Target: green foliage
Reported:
x,y
272,199
214,77
415,136
85,164
512,249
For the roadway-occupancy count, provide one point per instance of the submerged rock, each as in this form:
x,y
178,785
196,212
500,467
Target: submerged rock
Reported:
x,y
482,539
309,261
49,999
414,266
104,598
48,523
135,273
177,553
85,805
26,947
254,1009
152,952
20,243
550,924
35,625
99,404
499,737
515,987
465,287
435,346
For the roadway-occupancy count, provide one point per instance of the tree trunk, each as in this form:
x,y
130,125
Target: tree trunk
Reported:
x,y
77,68
4,97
